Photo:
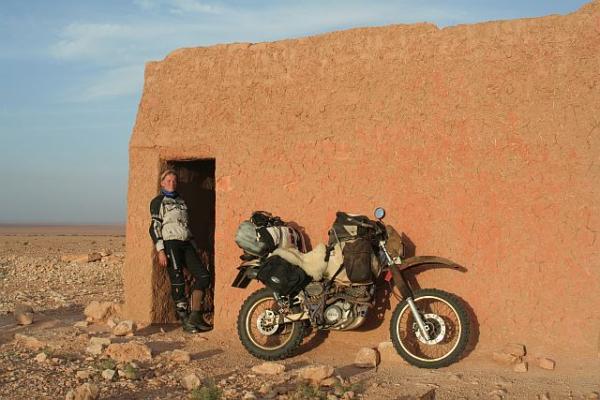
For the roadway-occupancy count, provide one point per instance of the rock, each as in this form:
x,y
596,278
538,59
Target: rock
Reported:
x,y
387,353
332,381
515,349
269,368
76,258
41,357
93,257
81,324
348,395
124,328
505,358
520,367
97,311
179,356
367,358
29,341
190,381
105,252
87,391
24,314
112,322
265,388
108,374
544,396
249,396
100,340
592,396
315,373
546,363
83,375
126,352
498,392
428,395
94,349
331,396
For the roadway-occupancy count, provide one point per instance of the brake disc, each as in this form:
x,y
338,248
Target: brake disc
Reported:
x,y
266,323
435,326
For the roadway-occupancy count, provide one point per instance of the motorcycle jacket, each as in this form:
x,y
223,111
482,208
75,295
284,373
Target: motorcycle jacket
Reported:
x,y
170,220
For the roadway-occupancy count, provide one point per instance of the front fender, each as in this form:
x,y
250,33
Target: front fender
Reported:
x,y
435,262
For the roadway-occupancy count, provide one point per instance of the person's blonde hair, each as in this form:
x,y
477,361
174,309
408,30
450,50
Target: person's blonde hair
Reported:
x,y
166,173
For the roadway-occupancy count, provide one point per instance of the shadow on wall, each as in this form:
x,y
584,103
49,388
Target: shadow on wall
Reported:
x,y
386,290
302,230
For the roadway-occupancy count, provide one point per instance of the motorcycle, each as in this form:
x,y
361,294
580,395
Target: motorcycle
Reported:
x,y
429,328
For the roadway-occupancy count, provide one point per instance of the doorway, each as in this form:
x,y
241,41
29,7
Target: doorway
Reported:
x,y
196,184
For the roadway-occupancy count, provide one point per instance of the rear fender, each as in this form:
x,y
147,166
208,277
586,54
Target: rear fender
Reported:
x,y
246,273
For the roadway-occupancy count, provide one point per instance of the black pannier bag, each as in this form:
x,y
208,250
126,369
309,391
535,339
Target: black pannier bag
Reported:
x,y
349,227
281,276
357,260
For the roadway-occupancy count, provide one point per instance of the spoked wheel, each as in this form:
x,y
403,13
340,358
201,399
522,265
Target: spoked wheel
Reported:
x,y
260,330
445,320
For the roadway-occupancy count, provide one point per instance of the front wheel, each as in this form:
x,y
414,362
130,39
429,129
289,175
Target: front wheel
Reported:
x,y
446,322
260,332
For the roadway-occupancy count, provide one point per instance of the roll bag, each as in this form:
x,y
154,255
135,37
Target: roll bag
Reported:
x,y
263,233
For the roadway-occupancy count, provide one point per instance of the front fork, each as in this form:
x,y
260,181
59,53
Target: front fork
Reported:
x,y
404,287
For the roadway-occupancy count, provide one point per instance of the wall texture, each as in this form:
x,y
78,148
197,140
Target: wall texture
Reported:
x,y
481,141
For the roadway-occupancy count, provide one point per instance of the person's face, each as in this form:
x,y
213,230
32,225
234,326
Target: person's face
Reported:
x,y
169,183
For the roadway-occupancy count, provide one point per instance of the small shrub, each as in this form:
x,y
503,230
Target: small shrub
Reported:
x,y
307,392
130,371
209,391
106,363
48,351
341,389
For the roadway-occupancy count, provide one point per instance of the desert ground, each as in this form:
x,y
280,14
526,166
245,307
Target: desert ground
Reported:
x,y
53,273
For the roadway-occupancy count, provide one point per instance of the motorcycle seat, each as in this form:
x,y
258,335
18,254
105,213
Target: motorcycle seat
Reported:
x,y
313,262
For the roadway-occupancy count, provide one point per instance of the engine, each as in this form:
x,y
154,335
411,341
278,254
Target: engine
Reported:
x,y
344,308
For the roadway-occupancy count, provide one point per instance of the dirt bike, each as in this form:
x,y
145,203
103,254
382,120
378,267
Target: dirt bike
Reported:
x,y
429,327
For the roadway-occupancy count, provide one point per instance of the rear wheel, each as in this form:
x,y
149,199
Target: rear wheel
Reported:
x,y
446,322
259,331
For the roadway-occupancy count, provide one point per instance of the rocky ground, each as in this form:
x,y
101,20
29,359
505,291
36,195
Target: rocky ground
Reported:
x,y
66,290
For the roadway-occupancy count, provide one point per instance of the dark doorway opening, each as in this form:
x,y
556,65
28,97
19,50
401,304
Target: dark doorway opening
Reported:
x,y
196,184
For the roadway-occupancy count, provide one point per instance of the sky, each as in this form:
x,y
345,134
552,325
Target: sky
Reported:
x,y
71,75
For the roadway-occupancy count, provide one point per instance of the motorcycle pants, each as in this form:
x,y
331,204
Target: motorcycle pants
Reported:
x,y
181,254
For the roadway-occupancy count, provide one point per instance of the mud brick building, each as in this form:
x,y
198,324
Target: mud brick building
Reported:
x,y
481,141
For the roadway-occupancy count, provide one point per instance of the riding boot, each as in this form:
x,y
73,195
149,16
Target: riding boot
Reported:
x,y
197,321
185,321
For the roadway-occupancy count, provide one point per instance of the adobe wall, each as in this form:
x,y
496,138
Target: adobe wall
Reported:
x,y
481,141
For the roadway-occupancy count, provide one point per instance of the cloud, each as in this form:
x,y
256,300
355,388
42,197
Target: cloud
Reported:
x,y
117,51
81,41
194,6
114,82
177,6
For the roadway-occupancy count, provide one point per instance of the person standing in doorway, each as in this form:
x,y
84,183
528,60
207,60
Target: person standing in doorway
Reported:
x,y
176,249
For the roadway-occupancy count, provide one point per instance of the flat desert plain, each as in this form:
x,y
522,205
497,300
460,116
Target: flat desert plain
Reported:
x,y
50,274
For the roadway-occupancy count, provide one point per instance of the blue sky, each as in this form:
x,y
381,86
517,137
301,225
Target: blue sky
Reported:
x,y
71,76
